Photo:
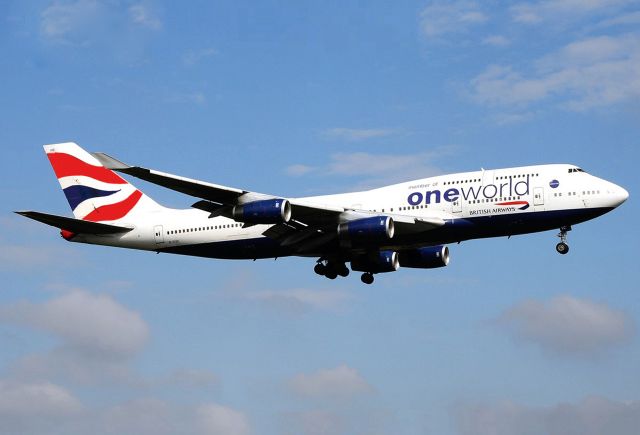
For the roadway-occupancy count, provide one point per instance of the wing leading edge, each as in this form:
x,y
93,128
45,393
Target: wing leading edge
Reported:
x,y
309,218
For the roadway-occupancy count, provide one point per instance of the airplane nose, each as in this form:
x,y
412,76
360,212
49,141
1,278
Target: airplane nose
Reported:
x,y
620,195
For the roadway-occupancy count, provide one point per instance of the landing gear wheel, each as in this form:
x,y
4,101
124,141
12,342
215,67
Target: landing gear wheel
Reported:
x,y
367,278
562,248
331,273
344,272
319,268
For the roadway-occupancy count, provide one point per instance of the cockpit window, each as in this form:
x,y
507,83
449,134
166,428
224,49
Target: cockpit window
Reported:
x,y
572,170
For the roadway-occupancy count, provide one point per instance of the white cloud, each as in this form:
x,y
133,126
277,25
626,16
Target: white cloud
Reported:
x,y
149,415
62,20
525,13
512,118
316,422
362,163
568,325
21,256
379,169
142,15
630,18
298,299
97,338
590,51
27,400
443,17
496,41
298,170
403,166
342,381
146,415
186,97
191,378
97,341
551,10
36,407
193,57
591,416
92,324
582,75
66,364
214,419
99,24
338,417
357,134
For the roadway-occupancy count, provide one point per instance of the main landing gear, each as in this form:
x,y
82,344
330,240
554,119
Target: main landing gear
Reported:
x,y
331,269
562,247
367,278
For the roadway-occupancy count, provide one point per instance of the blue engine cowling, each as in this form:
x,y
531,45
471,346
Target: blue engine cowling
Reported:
x,y
368,230
376,262
267,211
428,257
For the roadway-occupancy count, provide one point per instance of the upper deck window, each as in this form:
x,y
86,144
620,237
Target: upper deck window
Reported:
x,y
572,170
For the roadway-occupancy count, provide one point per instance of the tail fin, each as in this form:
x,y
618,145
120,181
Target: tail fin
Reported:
x,y
94,192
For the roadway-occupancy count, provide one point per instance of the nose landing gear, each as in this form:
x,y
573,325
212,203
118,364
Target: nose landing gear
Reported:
x,y
562,247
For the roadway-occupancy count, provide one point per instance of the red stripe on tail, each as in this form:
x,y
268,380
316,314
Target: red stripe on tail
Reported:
x,y
65,165
115,211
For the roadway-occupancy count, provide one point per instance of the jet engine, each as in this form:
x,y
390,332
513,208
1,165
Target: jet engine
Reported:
x,y
368,230
376,262
267,211
428,257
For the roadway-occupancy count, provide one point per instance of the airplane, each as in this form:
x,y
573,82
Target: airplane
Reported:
x,y
377,231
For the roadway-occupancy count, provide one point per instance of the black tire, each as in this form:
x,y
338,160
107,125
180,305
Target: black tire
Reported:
x,y
331,274
367,278
319,269
344,272
562,248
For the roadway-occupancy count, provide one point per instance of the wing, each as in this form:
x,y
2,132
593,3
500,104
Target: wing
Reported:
x,y
310,223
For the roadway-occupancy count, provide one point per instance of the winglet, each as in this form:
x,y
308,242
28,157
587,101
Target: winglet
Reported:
x,y
110,162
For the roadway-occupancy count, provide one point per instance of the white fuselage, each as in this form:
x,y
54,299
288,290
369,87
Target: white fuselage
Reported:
x,y
515,201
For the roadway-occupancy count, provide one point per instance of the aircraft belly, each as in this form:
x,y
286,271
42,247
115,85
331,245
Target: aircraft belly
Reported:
x,y
243,249
454,230
516,223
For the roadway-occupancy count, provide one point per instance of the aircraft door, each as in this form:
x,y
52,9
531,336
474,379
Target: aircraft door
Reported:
x,y
538,196
158,234
456,206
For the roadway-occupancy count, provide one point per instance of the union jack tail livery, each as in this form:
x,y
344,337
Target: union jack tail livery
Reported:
x,y
94,192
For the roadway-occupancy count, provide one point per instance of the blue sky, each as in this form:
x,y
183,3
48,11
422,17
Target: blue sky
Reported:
x,y
303,98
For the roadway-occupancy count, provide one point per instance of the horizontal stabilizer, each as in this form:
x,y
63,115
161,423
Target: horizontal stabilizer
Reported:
x,y
74,225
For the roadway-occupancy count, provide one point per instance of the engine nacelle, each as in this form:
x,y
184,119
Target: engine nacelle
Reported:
x,y
267,211
368,230
428,257
376,262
